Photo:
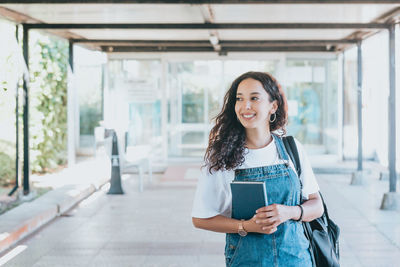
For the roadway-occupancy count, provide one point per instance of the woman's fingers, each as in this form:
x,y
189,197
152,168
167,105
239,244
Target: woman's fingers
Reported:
x,y
270,230
270,227
268,218
265,214
266,222
267,208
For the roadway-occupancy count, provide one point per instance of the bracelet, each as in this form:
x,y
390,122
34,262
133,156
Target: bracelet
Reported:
x,y
301,213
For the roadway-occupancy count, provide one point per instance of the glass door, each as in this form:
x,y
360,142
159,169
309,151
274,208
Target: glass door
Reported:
x,y
311,88
136,105
194,92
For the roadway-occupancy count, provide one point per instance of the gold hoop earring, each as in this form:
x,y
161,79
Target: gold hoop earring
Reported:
x,y
273,119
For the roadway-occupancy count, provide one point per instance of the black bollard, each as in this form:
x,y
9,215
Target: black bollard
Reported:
x,y
115,182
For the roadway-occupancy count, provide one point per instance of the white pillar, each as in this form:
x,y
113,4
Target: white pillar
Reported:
x,y
71,108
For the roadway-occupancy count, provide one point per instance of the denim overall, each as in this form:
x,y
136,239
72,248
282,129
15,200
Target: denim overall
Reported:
x,y
288,246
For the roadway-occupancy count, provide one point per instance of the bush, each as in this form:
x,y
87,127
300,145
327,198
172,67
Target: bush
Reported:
x,y
48,127
89,119
7,170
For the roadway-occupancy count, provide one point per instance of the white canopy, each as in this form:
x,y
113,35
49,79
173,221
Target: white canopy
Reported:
x,y
277,25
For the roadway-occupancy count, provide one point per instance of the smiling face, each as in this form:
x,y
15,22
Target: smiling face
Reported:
x,y
253,107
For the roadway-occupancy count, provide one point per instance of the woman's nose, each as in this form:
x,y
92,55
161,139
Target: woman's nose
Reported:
x,y
248,105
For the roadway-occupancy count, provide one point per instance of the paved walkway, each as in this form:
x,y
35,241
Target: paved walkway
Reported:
x,y
154,228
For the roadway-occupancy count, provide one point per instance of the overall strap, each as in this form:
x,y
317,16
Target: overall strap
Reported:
x,y
281,149
291,149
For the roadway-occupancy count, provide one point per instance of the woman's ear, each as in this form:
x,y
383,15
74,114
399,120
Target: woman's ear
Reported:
x,y
274,106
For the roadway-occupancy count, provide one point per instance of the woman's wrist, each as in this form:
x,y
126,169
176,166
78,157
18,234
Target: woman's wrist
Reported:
x,y
246,226
296,213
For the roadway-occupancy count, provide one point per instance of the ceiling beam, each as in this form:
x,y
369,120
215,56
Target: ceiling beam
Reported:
x,y
22,18
208,15
184,43
204,43
200,2
224,50
389,17
17,16
208,26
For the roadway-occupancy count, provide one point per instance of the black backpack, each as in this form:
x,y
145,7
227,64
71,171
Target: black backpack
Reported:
x,y
322,232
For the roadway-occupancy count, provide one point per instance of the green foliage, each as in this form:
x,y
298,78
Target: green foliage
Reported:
x,y
193,106
6,69
3,85
89,119
48,129
7,163
7,170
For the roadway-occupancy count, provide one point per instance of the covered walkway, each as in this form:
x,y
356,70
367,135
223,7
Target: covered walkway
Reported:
x,y
230,29
147,44
154,228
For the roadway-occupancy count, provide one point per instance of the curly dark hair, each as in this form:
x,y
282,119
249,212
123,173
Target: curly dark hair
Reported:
x,y
227,138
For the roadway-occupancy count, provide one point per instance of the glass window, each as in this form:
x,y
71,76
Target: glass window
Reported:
x,y
89,83
194,96
311,89
234,68
136,100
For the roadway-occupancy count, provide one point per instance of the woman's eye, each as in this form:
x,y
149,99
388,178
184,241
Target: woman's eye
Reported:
x,y
238,99
254,98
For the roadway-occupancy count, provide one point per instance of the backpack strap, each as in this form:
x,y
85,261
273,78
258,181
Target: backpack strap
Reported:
x,y
291,149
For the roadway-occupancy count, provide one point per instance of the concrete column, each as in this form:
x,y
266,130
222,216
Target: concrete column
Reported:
x,y
357,177
26,170
342,77
164,110
391,200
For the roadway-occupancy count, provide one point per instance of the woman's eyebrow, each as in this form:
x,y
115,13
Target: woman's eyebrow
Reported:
x,y
253,93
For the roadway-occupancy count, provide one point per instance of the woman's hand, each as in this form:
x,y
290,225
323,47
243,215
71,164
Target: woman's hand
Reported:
x,y
268,218
252,226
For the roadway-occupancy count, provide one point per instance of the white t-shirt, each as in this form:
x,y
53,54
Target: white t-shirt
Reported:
x,y
213,195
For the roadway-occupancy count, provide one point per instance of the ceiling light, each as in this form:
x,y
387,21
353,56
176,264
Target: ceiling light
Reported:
x,y
214,40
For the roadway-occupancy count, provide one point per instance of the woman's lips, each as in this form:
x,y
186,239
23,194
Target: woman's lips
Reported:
x,y
248,116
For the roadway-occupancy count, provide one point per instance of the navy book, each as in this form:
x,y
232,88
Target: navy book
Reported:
x,y
247,197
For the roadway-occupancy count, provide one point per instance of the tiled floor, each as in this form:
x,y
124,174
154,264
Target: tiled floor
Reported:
x,y
154,228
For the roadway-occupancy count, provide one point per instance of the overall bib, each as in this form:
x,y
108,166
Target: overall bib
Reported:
x,y
288,246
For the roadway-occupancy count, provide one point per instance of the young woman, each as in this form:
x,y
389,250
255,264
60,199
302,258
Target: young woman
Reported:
x,y
245,144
